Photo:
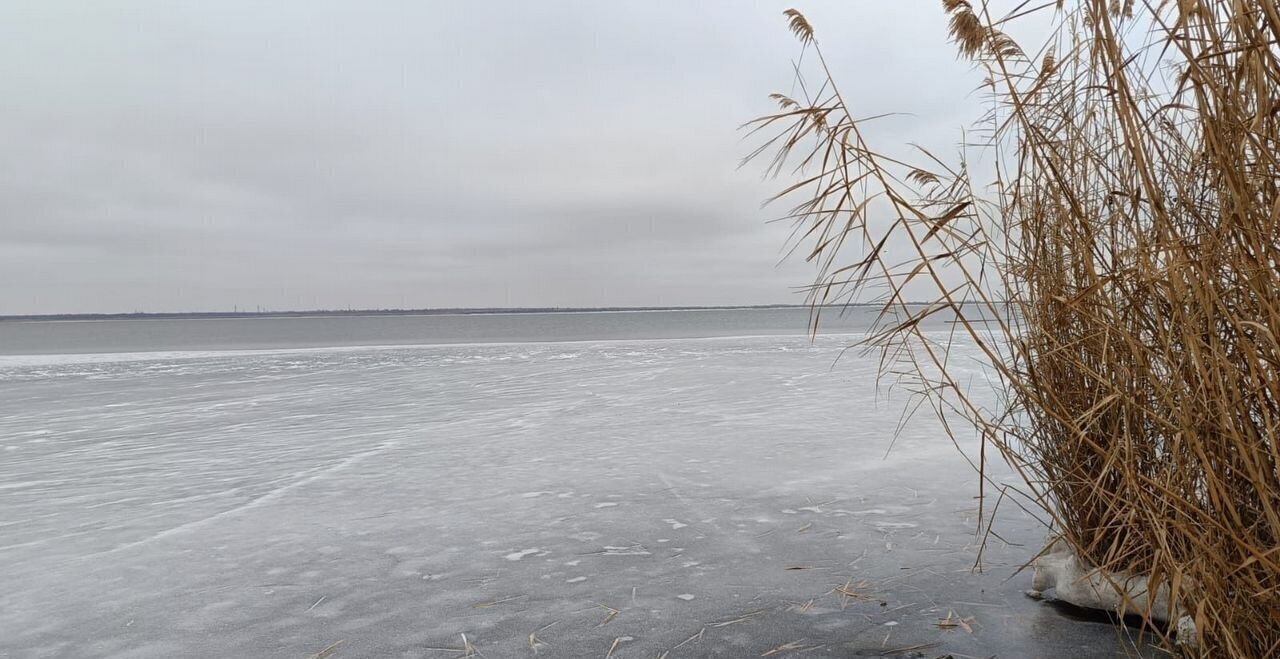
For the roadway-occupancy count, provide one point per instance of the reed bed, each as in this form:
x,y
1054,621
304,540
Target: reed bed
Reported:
x,y
1114,253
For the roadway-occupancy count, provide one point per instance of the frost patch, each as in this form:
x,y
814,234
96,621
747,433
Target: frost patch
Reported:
x,y
606,504
575,580
685,596
675,523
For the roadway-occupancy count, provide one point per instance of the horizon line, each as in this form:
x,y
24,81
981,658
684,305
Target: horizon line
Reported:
x,y
235,313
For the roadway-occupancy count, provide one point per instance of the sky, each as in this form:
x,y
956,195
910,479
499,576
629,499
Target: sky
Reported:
x,y
167,156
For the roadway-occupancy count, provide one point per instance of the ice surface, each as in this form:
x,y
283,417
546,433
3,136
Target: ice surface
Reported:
x,y
724,497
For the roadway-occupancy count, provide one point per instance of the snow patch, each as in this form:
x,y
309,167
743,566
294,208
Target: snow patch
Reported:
x,y
517,555
634,550
886,526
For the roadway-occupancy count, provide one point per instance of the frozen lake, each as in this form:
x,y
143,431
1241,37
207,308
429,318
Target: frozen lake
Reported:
x,y
725,497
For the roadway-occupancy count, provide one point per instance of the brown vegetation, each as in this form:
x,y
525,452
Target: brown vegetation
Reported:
x,y
1121,276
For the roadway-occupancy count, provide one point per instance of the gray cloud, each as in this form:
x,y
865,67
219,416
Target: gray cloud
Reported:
x,y
195,155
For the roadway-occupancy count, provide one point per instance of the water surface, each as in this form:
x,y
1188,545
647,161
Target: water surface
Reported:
x,y
92,336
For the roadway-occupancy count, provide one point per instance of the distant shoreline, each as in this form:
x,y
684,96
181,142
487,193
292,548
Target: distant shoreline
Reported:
x,y
338,313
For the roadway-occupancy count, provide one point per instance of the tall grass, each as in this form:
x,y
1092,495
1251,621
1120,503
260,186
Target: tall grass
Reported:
x,y
1120,275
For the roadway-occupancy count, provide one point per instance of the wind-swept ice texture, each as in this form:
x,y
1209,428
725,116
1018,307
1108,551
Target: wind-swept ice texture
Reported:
x,y
727,496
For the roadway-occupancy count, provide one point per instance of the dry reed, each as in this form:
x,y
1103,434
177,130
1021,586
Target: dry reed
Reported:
x,y
1121,278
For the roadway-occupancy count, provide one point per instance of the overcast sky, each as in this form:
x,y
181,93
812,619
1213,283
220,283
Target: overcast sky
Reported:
x,y
170,156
